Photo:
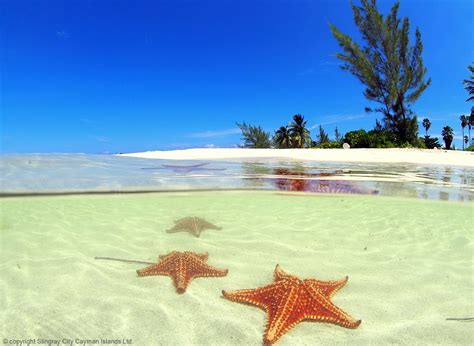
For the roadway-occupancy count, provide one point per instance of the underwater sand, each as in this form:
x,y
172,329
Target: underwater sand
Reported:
x,y
409,262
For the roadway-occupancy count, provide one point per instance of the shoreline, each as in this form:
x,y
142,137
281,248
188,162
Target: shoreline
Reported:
x,y
396,155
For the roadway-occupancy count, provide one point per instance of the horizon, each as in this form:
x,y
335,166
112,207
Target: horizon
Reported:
x,y
125,77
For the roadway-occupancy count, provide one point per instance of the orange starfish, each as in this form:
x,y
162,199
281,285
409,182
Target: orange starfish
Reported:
x,y
290,300
182,267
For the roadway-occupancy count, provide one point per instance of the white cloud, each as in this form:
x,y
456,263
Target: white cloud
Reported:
x,y
337,118
218,133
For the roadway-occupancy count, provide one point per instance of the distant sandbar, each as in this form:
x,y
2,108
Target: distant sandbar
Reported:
x,y
415,156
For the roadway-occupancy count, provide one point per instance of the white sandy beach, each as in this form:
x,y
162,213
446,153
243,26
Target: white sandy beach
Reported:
x,y
415,156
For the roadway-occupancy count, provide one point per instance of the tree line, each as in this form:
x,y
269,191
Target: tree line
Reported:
x,y
394,76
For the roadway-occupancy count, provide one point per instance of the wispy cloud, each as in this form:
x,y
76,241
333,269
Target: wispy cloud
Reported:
x,y
440,116
62,34
218,133
338,118
101,139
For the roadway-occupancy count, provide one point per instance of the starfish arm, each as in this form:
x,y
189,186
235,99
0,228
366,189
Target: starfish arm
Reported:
x,y
167,257
203,256
329,288
203,224
279,274
318,307
280,315
206,270
252,296
154,269
174,230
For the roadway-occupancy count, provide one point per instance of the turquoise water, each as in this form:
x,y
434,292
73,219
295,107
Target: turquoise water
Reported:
x,y
401,233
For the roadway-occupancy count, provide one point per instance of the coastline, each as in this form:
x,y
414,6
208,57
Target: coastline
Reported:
x,y
396,155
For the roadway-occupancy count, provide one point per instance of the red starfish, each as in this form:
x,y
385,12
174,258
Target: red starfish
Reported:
x,y
182,267
290,300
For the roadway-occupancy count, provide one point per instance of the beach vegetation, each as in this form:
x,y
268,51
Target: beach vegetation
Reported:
x,y
464,121
330,145
337,135
391,70
282,138
254,136
376,138
470,148
431,142
322,137
384,139
470,123
448,136
426,124
300,136
357,139
469,83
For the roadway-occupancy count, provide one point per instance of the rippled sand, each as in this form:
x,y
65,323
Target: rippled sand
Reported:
x,y
409,263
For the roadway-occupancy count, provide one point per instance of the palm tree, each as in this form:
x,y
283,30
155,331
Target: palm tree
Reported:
x,y
299,133
470,122
282,137
426,125
464,122
470,84
447,134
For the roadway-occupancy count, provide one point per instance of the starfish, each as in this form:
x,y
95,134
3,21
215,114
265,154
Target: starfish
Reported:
x,y
182,267
192,224
290,300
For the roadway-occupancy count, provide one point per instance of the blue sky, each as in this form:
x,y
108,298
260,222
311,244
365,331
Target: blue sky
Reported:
x,y
120,76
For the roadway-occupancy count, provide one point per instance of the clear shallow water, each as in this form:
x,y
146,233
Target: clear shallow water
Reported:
x,y
55,173
409,263
402,233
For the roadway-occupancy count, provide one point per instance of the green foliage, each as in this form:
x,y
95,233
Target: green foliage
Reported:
x,y
330,145
357,139
431,143
282,138
322,136
464,122
377,138
381,139
392,71
337,135
470,148
254,137
300,137
426,125
470,84
447,134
